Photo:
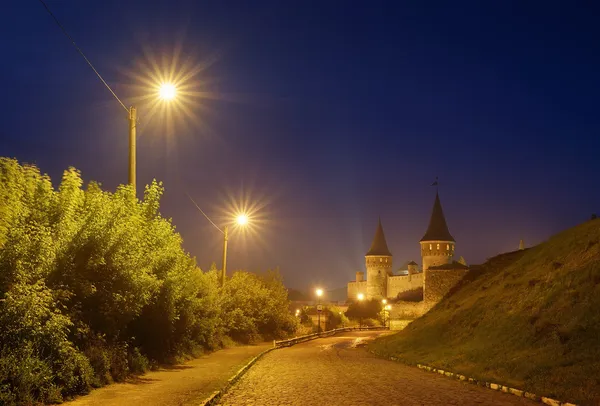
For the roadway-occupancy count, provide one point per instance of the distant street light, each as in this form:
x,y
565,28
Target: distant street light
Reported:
x,y
388,308
384,302
360,298
319,293
241,220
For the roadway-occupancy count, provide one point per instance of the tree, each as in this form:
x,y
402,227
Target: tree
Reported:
x,y
367,309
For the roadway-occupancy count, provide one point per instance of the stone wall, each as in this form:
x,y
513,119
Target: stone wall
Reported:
x,y
402,283
408,310
354,288
439,282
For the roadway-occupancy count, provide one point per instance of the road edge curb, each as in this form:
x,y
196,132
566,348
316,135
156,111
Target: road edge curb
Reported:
x,y
216,396
489,385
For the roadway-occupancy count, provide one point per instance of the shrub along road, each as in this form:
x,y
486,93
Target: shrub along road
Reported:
x,y
186,384
339,371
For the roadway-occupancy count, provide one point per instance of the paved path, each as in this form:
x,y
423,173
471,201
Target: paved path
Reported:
x,y
186,384
338,371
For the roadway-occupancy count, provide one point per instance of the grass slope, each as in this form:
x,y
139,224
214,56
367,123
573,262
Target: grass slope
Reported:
x,y
527,319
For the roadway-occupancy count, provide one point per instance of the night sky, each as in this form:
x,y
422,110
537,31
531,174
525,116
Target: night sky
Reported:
x,y
323,115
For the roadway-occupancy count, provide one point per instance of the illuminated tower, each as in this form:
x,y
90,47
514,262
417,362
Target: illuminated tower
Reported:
x,y
437,245
379,265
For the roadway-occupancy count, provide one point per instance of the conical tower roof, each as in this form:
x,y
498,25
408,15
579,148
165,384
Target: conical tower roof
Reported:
x,y
438,229
379,246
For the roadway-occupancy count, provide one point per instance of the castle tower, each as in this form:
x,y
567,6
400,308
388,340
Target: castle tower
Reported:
x,y
437,245
379,266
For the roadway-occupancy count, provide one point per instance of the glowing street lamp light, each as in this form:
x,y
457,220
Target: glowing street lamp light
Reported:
x,y
360,297
242,219
167,91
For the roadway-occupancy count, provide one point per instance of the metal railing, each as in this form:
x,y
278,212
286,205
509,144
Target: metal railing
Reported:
x,y
296,340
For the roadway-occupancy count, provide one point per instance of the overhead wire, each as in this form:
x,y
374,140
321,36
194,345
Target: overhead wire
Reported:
x,y
82,54
111,91
205,215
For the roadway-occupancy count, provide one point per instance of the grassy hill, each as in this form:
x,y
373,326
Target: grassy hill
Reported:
x,y
527,319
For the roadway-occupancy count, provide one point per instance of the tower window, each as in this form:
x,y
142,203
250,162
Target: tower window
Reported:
x,y
430,246
448,247
380,259
438,246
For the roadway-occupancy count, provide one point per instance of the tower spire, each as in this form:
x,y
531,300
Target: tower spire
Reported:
x,y
438,229
379,245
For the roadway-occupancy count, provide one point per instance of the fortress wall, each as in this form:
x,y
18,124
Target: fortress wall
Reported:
x,y
439,282
354,288
402,283
408,310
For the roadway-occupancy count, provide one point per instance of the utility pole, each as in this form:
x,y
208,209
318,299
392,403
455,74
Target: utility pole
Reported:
x,y
132,136
319,315
225,232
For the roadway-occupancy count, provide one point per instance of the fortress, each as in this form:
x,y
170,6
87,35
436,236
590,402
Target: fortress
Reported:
x,y
438,275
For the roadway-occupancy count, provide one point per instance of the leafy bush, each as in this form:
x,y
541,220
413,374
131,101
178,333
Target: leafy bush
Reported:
x,y
37,362
368,309
95,286
256,307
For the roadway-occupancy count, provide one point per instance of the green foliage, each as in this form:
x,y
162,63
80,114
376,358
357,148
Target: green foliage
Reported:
x,y
256,307
414,295
37,361
95,286
334,318
367,309
527,319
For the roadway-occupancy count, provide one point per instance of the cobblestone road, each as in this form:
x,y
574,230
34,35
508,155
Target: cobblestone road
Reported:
x,y
338,371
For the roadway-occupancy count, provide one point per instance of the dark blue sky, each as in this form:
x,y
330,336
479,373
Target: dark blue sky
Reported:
x,y
329,114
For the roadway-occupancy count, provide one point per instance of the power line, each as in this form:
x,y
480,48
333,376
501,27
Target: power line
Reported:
x,y
201,211
82,54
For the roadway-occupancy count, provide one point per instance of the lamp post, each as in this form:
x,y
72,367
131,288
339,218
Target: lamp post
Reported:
x,y
241,220
166,92
360,298
319,293
388,308
384,303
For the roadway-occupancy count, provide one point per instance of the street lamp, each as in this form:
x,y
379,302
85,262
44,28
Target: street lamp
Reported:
x,y
166,92
388,308
241,220
319,293
384,302
360,298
